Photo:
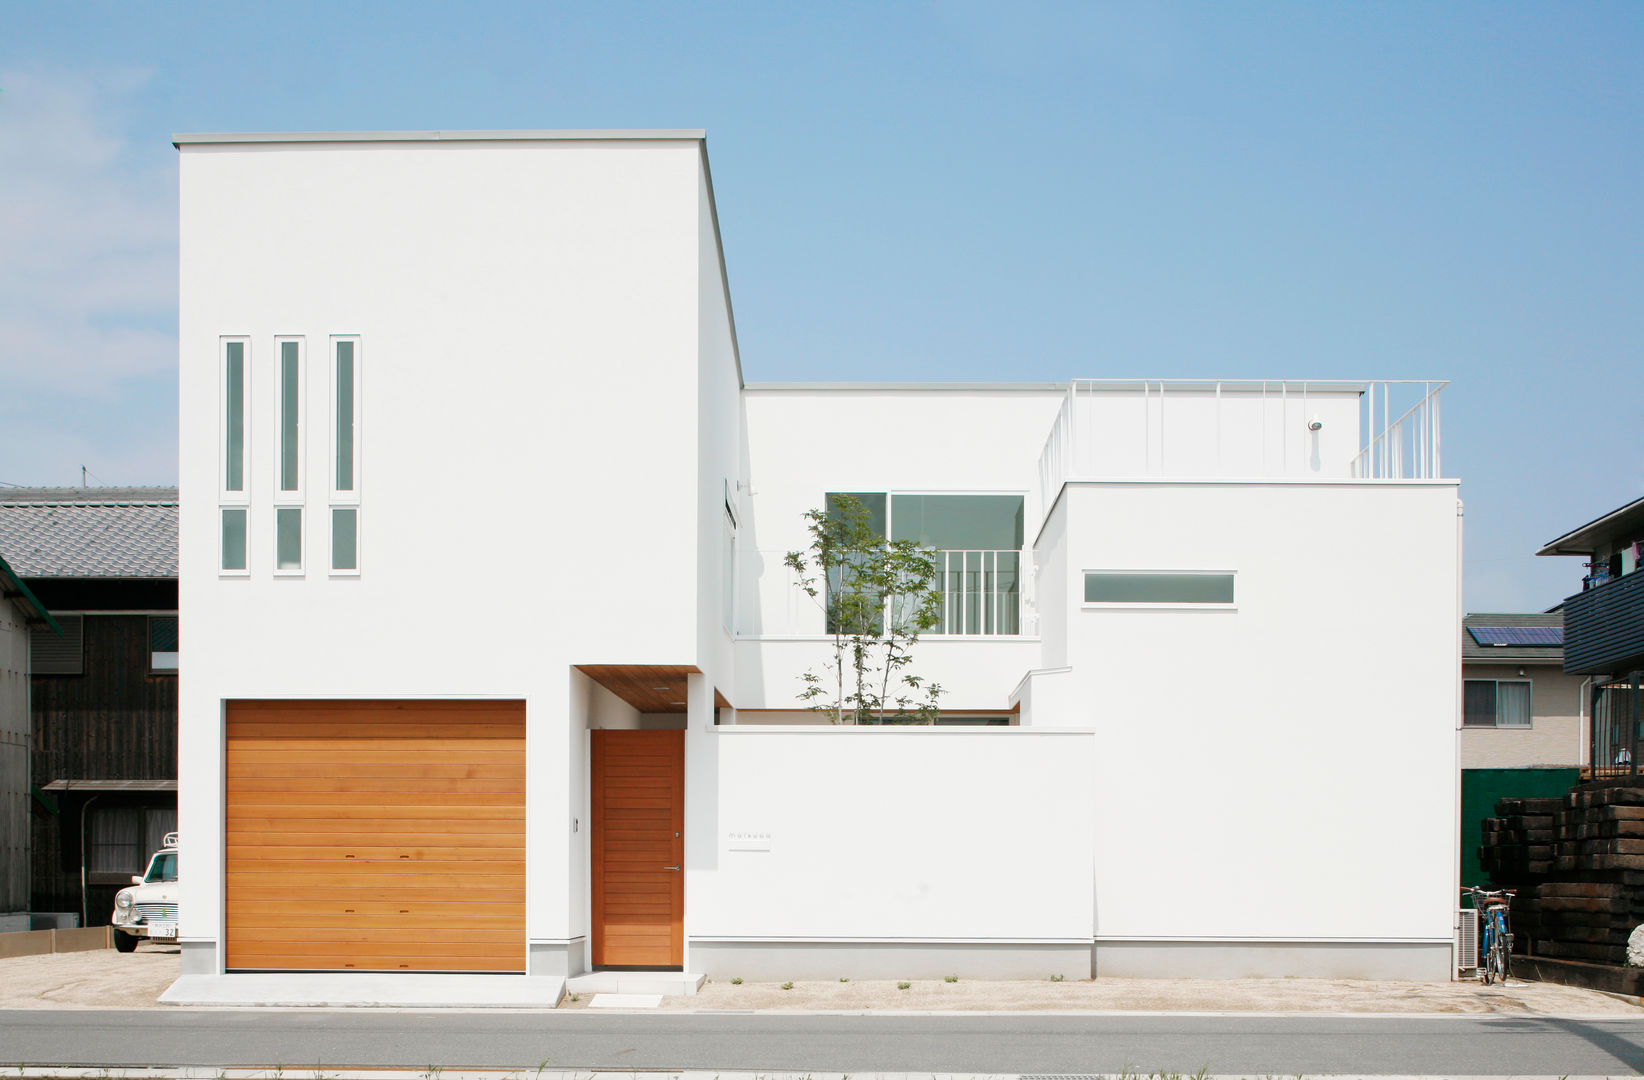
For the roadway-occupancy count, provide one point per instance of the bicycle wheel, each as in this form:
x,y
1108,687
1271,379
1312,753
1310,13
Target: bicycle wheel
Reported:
x,y
1487,961
1502,961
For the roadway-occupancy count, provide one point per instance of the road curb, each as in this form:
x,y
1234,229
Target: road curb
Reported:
x,y
87,1072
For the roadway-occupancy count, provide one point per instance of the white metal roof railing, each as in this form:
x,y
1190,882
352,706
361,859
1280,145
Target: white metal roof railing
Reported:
x,y
1243,429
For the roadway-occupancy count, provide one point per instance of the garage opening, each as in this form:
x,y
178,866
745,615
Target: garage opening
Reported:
x,y
375,836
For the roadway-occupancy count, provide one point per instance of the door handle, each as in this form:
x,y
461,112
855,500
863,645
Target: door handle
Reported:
x,y
670,868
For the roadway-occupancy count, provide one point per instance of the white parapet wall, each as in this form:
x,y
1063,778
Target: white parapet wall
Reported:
x,y
890,852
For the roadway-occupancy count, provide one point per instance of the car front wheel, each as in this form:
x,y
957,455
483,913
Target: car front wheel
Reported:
x,y
125,942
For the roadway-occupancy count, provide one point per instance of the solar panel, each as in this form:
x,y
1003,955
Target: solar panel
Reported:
x,y
1517,635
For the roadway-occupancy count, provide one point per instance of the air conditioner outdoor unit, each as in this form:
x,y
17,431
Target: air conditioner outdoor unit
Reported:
x,y
1466,940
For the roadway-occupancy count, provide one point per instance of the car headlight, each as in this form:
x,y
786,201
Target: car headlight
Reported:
x,y
123,901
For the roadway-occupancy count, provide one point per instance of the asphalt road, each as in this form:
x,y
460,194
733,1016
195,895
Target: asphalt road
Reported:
x,y
1040,1044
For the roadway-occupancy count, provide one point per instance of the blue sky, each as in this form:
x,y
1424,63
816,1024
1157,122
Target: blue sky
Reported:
x,y
939,191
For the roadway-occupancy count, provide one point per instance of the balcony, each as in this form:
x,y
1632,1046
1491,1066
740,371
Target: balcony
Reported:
x,y
1604,628
981,591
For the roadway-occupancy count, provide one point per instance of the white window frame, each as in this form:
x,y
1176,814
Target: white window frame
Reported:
x,y
1024,555
1154,605
728,588
343,500
161,663
294,496
224,495
249,547
351,497
304,528
331,540
1497,725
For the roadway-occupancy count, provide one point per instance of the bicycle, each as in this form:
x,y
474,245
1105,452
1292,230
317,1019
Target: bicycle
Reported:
x,y
1495,941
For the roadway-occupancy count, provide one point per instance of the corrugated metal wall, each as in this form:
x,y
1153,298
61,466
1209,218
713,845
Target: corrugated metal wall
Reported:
x,y
14,761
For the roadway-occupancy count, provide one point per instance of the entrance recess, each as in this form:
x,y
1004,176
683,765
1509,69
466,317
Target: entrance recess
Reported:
x,y
637,784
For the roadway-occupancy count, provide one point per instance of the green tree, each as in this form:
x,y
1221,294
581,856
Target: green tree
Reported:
x,y
878,596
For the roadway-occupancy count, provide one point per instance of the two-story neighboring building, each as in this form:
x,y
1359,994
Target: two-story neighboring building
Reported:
x,y
20,613
1604,632
1524,719
103,691
498,661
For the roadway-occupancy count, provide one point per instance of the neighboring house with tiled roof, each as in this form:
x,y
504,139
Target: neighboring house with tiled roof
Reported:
x,y
1524,721
90,532
20,611
103,731
1519,709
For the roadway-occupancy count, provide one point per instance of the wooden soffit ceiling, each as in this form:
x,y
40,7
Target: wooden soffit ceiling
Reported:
x,y
650,688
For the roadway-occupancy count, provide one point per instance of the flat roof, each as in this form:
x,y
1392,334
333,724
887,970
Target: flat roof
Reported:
x,y
1039,387
544,135
1616,525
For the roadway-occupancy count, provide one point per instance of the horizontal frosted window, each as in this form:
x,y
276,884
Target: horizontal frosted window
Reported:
x,y
1130,588
234,422
958,522
233,539
345,538
290,411
345,416
288,538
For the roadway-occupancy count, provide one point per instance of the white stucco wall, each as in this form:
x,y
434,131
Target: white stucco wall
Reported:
x,y
1294,753
528,319
893,834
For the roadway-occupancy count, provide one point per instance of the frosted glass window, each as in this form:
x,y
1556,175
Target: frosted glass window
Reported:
x,y
345,416
958,522
288,538
1110,587
234,422
234,539
290,414
345,538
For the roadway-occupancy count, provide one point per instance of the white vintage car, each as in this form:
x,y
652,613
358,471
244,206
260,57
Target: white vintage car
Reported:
x,y
149,908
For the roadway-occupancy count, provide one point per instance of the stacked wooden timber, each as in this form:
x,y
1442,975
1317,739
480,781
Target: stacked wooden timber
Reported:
x,y
1519,842
1578,866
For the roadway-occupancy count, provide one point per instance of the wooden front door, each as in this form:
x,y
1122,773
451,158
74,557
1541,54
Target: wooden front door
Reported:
x,y
638,789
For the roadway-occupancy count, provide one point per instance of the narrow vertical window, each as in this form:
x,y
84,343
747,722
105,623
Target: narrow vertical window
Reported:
x,y
345,538
233,538
234,417
345,455
290,416
345,416
288,538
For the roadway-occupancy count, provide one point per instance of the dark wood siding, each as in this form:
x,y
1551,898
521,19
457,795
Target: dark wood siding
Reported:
x,y
1604,628
115,721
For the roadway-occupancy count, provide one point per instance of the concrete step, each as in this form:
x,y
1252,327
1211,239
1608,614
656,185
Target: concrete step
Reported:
x,y
668,983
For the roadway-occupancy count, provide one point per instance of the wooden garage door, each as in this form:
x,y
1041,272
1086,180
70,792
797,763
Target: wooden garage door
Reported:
x,y
376,836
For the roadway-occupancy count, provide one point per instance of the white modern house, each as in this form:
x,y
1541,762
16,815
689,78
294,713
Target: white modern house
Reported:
x,y
497,663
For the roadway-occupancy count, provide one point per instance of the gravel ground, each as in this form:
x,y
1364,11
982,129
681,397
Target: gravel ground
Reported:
x,y
99,979
105,979
1157,995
